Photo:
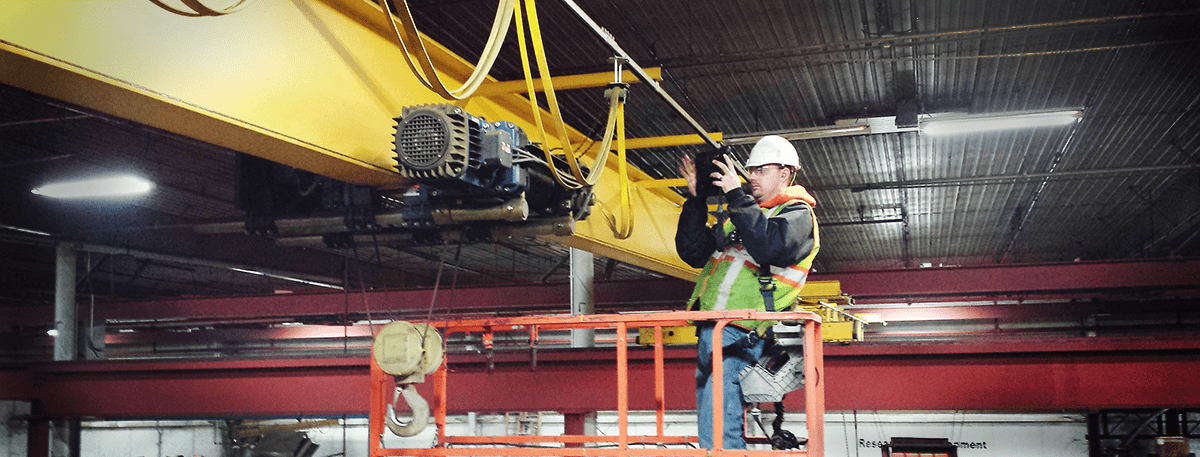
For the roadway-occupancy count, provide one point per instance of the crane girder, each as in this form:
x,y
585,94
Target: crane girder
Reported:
x,y
312,84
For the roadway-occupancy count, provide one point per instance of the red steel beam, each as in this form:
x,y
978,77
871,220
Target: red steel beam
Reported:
x,y
999,376
1113,279
543,298
1103,277
1026,311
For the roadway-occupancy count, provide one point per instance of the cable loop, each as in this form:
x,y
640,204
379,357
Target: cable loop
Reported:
x,y
412,43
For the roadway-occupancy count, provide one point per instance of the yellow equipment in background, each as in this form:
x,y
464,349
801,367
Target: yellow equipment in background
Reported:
x,y
825,298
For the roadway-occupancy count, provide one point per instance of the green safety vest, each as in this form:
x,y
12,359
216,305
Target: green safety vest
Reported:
x,y
730,278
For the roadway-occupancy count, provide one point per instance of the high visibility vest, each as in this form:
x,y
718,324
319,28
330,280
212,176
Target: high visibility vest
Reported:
x,y
730,278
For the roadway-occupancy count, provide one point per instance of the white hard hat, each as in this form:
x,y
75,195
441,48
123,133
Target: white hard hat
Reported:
x,y
773,149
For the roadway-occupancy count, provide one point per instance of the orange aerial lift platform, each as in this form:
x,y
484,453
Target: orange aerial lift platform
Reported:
x,y
405,352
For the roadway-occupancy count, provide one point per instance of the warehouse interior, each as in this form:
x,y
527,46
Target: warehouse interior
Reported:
x,y
1046,274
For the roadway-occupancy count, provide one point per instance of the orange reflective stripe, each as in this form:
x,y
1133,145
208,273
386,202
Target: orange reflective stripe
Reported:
x,y
793,282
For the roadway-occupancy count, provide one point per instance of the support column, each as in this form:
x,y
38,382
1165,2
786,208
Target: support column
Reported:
x,y
74,436
1095,433
472,424
579,424
583,271
66,312
39,432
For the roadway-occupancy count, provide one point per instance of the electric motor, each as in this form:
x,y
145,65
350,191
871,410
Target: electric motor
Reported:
x,y
461,160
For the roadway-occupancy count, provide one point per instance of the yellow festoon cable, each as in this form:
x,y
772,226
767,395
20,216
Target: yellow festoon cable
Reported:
x,y
548,87
533,105
626,226
411,41
539,53
623,227
411,38
577,177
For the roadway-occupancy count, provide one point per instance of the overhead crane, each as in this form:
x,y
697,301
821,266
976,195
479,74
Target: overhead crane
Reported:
x,y
300,122
318,85
312,85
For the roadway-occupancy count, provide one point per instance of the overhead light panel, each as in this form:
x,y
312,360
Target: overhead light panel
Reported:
x,y
111,186
286,278
951,125
25,230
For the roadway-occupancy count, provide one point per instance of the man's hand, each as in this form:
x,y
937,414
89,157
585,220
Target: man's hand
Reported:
x,y
727,179
688,170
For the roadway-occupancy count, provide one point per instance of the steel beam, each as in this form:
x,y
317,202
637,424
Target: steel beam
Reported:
x,y
1025,377
609,296
560,82
537,298
1115,283
310,84
665,141
1023,312
1107,277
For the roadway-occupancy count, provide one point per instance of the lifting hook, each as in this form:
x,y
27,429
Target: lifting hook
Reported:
x,y
408,352
420,412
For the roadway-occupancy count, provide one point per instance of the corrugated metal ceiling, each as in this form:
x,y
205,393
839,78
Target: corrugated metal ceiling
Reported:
x,y
1078,192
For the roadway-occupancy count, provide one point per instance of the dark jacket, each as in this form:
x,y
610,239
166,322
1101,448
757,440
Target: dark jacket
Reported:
x,y
781,240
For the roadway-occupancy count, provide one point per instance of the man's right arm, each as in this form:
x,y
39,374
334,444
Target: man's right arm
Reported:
x,y
693,239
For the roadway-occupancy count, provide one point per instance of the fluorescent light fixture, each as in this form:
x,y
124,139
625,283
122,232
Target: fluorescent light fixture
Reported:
x,y
286,278
946,126
25,230
111,186
52,332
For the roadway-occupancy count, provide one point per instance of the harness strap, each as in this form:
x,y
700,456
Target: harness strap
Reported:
x,y
766,285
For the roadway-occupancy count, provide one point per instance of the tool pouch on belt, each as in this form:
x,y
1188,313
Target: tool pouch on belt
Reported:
x,y
780,370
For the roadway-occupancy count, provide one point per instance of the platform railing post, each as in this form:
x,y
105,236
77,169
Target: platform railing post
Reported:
x,y
623,383
376,410
814,388
718,385
439,400
660,392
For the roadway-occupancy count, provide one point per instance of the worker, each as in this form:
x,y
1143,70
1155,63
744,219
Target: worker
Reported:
x,y
772,226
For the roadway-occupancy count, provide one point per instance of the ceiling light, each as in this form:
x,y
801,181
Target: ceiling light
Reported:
x,y
947,125
25,230
286,278
112,186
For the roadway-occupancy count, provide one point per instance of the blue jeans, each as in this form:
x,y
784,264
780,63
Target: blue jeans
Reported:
x,y
734,358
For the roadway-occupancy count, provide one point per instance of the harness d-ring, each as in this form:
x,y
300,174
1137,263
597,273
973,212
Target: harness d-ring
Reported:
x,y
420,411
